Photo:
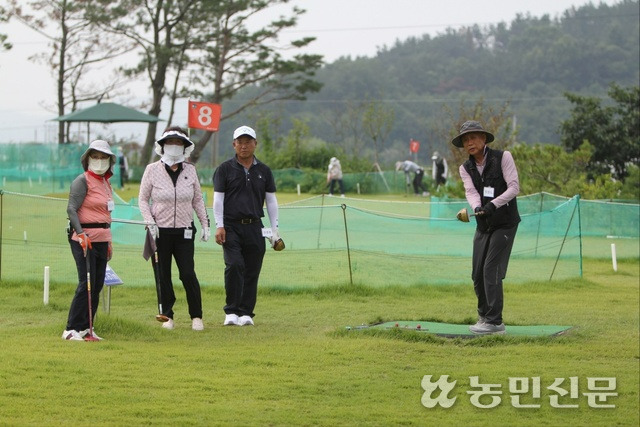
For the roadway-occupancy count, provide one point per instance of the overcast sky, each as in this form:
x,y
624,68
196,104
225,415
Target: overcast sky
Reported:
x,y
342,28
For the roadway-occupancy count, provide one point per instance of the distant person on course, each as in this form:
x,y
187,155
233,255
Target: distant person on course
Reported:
x,y
439,170
408,166
334,174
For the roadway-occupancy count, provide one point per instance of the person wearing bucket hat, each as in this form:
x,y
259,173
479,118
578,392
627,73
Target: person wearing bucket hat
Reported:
x,y
169,194
242,185
491,185
89,210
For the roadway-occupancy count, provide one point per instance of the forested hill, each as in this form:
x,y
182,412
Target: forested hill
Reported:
x,y
529,62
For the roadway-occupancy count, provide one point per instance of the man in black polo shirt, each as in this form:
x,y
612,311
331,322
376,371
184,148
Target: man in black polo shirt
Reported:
x,y
241,186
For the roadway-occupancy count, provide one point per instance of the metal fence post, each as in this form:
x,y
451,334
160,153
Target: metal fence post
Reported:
x,y
346,232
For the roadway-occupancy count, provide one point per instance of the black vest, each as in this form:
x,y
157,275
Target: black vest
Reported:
x,y
506,216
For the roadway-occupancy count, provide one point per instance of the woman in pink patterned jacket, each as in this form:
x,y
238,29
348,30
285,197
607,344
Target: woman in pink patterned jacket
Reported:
x,y
169,194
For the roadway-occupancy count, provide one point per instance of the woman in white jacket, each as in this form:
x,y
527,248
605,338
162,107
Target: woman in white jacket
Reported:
x,y
169,194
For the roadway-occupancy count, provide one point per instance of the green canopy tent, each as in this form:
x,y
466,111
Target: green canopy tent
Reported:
x,y
107,112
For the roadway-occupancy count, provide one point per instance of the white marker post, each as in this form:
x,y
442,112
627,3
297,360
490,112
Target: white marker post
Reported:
x,y
613,257
46,285
298,186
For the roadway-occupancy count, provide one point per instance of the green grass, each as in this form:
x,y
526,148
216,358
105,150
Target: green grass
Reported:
x,y
299,365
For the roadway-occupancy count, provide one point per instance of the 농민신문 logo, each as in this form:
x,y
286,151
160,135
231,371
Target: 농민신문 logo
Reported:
x,y
523,392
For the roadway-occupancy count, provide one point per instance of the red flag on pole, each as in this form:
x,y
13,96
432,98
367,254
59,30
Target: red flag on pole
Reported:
x,y
204,115
414,146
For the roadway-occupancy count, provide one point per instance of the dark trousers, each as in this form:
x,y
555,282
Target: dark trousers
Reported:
x,y
418,185
340,186
78,319
244,250
172,244
491,252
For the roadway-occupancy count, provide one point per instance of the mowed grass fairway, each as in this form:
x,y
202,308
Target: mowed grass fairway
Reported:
x,y
299,365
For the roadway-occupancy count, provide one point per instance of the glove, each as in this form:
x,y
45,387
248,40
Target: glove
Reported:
x,y
85,242
206,233
488,209
109,252
153,229
276,242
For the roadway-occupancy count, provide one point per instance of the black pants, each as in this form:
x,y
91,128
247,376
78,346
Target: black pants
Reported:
x,y
340,186
418,185
78,319
172,244
491,252
244,250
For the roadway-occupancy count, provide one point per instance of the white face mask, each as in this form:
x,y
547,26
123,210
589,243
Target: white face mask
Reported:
x,y
99,166
173,154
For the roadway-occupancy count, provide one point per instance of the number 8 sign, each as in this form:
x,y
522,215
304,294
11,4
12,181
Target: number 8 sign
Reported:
x,y
204,115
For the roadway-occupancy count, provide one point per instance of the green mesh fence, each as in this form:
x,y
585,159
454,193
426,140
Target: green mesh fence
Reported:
x,y
331,240
42,168
290,180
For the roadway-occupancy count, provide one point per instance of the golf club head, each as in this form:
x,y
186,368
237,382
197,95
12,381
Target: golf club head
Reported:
x,y
279,245
463,215
90,337
162,318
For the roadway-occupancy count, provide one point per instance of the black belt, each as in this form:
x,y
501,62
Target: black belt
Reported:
x,y
96,225
246,220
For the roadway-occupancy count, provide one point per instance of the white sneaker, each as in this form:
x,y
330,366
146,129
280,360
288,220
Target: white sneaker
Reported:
x,y
245,320
168,324
196,324
72,335
86,332
487,329
480,321
230,319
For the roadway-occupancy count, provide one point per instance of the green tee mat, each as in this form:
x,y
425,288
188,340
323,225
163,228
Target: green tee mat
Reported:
x,y
454,331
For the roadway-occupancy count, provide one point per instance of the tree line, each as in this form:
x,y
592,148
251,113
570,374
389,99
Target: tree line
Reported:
x,y
530,80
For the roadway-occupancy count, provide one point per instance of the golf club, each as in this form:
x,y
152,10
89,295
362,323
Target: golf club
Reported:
x,y
130,221
156,274
151,246
89,336
463,215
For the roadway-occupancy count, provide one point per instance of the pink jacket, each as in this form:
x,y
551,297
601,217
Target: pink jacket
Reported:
x,y
171,206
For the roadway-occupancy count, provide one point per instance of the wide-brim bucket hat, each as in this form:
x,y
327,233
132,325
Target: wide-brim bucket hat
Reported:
x,y
188,144
97,145
468,127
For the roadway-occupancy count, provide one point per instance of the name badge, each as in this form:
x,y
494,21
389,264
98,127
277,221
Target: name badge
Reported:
x,y
110,205
267,232
188,233
488,192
